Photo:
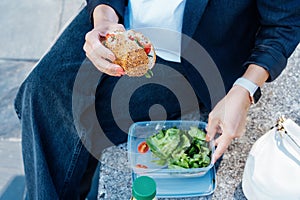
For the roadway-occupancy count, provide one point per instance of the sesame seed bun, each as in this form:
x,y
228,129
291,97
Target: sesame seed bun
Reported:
x,y
134,52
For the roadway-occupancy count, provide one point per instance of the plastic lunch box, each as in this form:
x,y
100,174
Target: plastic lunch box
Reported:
x,y
170,182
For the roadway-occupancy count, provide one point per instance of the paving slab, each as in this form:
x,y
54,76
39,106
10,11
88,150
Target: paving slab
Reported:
x,y
69,9
12,75
11,166
28,27
11,162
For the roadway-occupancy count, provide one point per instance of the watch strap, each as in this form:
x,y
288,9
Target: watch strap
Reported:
x,y
247,84
252,88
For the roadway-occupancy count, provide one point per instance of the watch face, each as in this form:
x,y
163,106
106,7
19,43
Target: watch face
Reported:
x,y
257,95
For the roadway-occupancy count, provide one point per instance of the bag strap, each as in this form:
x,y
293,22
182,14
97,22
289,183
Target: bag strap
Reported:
x,y
281,130
282,134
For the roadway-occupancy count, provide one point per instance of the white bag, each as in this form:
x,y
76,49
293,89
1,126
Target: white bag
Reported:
x,y
272,170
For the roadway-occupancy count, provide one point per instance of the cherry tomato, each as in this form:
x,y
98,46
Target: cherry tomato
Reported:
x,y
143,147
131,37
109,35
147,48
141,166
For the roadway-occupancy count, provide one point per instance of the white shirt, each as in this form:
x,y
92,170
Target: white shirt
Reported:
x,y
161,22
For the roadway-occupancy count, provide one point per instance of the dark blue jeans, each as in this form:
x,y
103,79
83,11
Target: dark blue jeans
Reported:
x,y
58,136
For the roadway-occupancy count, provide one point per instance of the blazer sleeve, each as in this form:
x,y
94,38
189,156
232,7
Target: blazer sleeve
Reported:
x,y
278,35
117,5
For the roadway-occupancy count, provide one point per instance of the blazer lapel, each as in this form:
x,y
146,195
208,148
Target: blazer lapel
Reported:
x,y
193,12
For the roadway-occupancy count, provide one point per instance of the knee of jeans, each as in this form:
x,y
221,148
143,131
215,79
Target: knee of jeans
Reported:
x,y
18,101
17,104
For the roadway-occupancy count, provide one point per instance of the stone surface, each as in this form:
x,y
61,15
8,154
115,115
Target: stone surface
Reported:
x,y
28,27
280,97
69,10
11,161
11,75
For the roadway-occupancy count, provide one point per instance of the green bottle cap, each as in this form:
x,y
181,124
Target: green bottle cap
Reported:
x,y
144,188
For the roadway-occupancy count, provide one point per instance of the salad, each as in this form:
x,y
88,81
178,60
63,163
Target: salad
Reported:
x,y
179,148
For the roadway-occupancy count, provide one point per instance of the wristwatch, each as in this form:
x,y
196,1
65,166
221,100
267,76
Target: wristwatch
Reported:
x,y
253,89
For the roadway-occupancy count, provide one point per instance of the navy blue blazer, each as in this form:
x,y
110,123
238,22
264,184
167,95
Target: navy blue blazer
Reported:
x,y
235,34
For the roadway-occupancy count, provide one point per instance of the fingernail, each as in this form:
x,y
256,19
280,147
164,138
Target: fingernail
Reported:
x,y
120,71
207,138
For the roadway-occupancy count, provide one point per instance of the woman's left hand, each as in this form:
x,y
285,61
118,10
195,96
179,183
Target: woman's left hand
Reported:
x,y
228,118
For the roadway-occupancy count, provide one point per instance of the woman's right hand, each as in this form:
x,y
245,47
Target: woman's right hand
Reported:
x,y
105,21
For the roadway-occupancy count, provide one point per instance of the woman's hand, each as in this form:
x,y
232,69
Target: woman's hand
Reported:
x,y
228,118
105,21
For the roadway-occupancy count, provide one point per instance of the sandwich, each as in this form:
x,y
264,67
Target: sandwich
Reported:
x,y
133,51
